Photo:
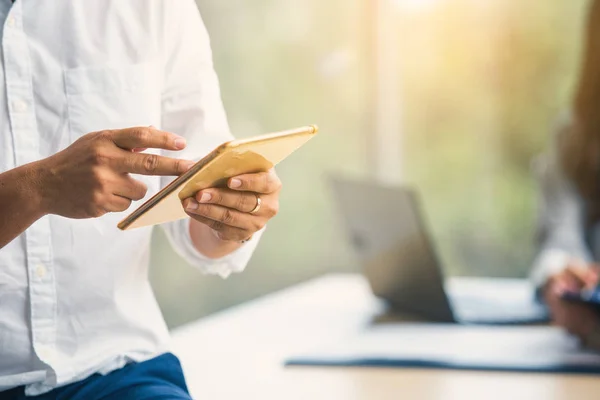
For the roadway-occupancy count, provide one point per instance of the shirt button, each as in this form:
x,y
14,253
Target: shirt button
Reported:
x,y
20,106
41,271
11,22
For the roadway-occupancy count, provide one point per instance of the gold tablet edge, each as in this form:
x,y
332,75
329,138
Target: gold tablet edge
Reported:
x,y
131,218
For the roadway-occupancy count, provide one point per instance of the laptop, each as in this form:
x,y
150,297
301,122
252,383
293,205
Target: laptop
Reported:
x,y
388,232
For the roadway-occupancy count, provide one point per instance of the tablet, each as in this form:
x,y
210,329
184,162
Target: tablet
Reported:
x,y
237,157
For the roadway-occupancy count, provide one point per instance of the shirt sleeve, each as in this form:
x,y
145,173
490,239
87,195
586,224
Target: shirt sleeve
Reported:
x,y
179,237
560,223
192,107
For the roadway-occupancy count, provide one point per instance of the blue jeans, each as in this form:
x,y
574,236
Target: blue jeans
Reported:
x,y
158,378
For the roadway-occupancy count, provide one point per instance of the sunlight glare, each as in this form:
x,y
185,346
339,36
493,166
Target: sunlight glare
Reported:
x,y
415,5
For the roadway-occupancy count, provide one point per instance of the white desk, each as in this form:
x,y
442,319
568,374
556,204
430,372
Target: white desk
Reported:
x,y
239,353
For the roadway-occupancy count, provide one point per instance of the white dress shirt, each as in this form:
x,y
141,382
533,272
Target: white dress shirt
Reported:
x,y
563,236
74,294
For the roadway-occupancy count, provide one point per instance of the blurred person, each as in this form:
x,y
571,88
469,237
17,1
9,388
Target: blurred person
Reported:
x,y
569,220
83,83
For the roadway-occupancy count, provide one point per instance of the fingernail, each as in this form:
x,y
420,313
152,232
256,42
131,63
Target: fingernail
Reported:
x,y
205,197
180,143
192,204
235,183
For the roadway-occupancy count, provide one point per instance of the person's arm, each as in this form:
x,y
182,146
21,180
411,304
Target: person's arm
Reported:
x,y
207,242
560,221
192,107
564,263
86,180
20,201
561,215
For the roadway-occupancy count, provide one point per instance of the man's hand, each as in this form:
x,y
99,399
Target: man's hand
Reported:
x,y
91,177
578,319
229,212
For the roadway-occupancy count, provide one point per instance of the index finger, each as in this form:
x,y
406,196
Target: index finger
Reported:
x,y
261,182
146,137
152,164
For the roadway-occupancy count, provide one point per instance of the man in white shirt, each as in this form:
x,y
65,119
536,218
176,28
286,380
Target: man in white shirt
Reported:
x,y
84,83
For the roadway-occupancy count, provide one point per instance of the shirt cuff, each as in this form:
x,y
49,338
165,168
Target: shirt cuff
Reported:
x,y
178,233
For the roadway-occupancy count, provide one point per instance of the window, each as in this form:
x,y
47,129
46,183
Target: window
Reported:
x,y
482,86
458,96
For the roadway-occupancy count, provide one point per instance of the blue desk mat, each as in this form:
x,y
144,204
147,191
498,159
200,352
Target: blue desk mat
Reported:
x,y
435,346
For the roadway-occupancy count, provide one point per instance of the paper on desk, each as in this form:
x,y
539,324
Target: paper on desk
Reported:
x,y
544,349
499,291
495,299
